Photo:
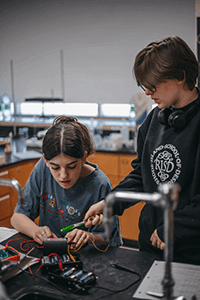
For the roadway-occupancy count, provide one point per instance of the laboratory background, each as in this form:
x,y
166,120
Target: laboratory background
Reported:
x,y
75,58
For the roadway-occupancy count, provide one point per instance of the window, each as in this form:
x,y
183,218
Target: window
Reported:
x,y
31,108
115,110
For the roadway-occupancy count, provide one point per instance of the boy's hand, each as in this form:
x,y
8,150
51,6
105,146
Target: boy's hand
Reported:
x,y
94,215
156,241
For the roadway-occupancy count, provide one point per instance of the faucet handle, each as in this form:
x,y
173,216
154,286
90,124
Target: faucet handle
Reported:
x,y
171,189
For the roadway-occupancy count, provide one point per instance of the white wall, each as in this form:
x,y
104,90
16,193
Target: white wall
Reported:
x,y
197,7
99,39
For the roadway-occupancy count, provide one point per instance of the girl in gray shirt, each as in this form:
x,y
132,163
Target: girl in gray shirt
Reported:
x,y
62,187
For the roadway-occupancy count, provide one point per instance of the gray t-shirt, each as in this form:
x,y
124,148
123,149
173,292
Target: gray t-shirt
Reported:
x,y
59,207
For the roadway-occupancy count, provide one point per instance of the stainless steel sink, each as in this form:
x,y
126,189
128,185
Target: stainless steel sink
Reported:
x,y
39,293
34,296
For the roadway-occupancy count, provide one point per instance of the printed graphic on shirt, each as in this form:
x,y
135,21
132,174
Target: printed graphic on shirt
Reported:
x,y
67,212
165,164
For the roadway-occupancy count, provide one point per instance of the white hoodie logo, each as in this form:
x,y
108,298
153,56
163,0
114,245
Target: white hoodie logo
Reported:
x,y
165,164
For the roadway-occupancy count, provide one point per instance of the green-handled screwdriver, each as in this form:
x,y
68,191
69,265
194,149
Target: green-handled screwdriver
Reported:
x,y
70,227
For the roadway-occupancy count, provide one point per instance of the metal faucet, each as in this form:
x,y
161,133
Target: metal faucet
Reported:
x,y
167,199
15,184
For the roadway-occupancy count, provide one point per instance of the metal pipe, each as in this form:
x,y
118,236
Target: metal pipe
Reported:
x,y
167,199
62,74
13,98
15,184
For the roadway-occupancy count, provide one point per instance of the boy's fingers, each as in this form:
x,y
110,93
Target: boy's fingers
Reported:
x,y
88,222
98,220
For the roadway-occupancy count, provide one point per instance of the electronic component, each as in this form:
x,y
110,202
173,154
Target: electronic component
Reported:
x,y
9,253
73,278
51,263
58,246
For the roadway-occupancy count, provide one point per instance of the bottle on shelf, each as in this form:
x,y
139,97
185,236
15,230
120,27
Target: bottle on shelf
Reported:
x,y
1,109
6,107
132,121
8,145
132,114
125,135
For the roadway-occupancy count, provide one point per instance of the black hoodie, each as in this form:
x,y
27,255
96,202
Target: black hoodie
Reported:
x,y
172,155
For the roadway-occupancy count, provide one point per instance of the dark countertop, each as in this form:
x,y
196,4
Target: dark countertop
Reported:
x,y
121,151
11,159
108,278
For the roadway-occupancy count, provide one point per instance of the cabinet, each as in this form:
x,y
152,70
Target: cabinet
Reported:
x,y
116,167
21,173
5,201
8,195
108,163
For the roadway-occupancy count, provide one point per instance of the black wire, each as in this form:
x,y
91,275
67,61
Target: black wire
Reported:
x,y
124,289
119,291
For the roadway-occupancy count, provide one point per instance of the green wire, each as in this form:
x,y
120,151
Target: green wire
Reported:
x,y
70,227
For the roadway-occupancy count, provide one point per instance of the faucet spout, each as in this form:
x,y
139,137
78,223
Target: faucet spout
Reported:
x,y
15,184
167,199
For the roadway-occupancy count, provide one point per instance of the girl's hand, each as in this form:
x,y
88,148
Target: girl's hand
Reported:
x,y
79,237
94,215
43,233
156,241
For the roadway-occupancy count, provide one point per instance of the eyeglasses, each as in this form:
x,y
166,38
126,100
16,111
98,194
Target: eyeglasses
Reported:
x,y
144,89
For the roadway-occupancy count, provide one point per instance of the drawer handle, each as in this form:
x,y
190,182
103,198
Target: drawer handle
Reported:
x,y
4,173
125,162
5,197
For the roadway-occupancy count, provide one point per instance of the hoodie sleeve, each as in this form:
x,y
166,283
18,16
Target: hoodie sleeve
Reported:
x,y
133,182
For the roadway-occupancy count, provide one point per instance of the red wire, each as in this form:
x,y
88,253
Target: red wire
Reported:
x,y
59,260
19,239
60,264
24,242
38,259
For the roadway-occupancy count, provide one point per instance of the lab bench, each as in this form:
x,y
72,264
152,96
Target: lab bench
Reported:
x,y
109,279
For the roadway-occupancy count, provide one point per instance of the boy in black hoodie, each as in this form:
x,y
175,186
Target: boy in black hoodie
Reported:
x,y
168,148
